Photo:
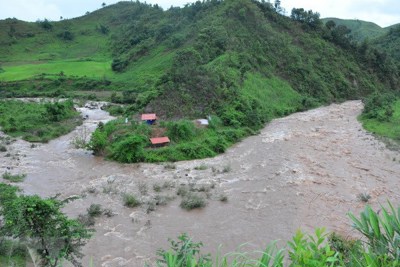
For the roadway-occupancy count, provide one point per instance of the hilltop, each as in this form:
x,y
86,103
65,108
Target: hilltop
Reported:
x,y
390,42
360,30
385,39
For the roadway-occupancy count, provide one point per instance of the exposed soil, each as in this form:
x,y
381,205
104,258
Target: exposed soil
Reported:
x,y
302,171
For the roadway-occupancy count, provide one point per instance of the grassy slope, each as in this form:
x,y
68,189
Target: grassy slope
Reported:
x,y
88,55
389,128
360,29
13,261
33,122
390,42
238,60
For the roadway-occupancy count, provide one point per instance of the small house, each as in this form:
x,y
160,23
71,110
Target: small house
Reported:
x,y
202,123
150,119
159,141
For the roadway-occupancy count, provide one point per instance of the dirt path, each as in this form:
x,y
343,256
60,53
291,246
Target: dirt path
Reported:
x,y
302,171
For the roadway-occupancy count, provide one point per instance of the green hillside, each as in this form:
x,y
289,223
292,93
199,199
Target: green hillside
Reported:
x,y
360,30
390,42
239,61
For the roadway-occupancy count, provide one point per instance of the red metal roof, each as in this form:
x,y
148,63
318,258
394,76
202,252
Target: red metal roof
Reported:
x,y
149,117
159,140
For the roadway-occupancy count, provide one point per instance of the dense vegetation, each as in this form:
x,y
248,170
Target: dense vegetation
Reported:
x,y
129,142
381,115
241,62
379,248
390,43
360,30
30,225
249,65
38,122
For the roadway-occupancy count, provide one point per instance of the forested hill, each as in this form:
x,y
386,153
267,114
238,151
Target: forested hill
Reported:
x,y
360,30
238,59
390,42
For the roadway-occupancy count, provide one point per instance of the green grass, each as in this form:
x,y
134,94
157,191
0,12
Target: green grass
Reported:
x,y
38,122
90,69
148,69
390,128
12,254
275,96
15,261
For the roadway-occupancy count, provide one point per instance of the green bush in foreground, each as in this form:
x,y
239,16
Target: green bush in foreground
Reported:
x,y
381,248
38,224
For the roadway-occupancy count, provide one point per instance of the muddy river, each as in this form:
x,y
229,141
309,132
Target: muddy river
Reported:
x,y
302,171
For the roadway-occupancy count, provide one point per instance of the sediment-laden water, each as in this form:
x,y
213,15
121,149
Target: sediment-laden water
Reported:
x,y
302,171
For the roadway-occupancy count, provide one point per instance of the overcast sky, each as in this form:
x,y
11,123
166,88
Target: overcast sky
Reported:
x,y
382,12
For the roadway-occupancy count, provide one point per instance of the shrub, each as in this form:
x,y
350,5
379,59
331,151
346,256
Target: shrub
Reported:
x,y
45,24
143,188
181,130
193,201
182,191
184,252
223,198
194,150
202,167
379,105
3,148
363,197
130,149
227,168
98,142
161,200
130,200
119,65
66,35
94,210
157,187
86,220
170,166
14,178
382,231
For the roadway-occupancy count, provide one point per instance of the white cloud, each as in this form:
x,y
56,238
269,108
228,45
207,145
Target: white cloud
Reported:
x,y
29,10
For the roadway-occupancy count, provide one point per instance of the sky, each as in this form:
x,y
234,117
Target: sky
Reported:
x,y
382,12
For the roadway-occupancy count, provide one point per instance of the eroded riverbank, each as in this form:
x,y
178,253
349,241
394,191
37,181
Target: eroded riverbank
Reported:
x,y
302,171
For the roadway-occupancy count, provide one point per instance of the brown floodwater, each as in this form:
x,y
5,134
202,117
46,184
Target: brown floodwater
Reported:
x,y
302,171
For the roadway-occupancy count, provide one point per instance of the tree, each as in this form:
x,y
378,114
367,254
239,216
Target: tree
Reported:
x,y
277,6
103,5
309,18
45,24
330,25
41,226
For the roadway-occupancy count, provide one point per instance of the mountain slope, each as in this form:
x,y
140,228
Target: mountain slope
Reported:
x,y
191,61
390,42
360,30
